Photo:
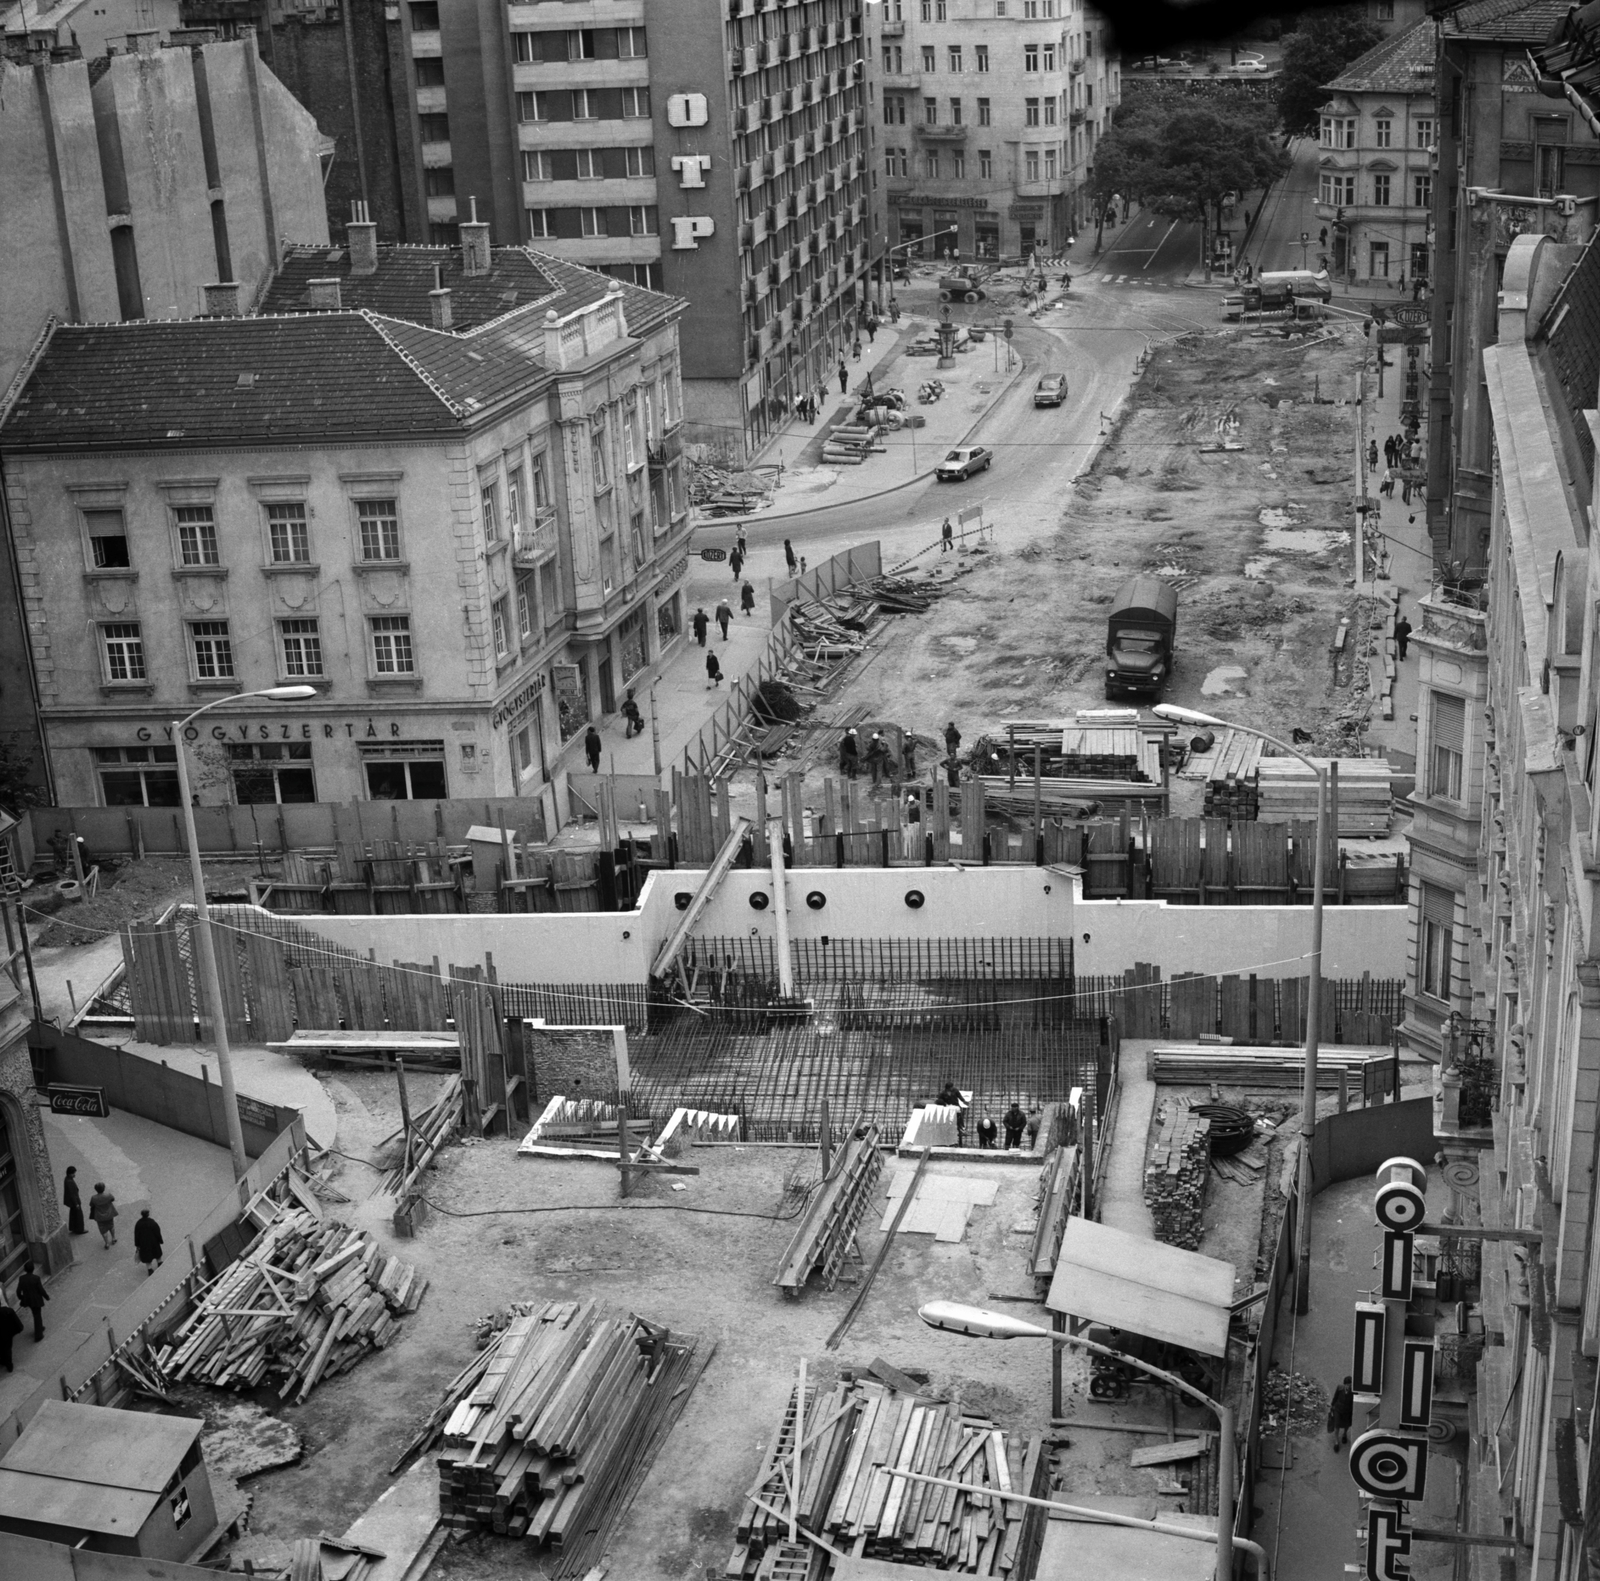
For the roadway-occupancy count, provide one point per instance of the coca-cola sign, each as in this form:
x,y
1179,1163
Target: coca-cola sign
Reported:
x,y
84,1101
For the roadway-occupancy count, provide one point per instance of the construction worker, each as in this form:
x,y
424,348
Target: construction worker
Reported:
x,y
877,757
849,754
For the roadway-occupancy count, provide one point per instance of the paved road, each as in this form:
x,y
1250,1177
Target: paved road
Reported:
x,y
1150,250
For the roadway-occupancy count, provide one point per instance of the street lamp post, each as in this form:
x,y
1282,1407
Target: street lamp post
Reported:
x,y
885,264
959,1319
208,953
1308,1098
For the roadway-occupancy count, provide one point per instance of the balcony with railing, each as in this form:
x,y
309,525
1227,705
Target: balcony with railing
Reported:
x,y
941,134
1466,1082
665,450
535,540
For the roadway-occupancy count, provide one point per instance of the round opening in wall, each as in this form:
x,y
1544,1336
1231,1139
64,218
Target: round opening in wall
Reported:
x,y
682,899
915,898
816,900
760,900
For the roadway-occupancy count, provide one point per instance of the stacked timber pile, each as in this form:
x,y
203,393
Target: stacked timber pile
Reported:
x,y
308,1300
1231,779
550,1431
1175,1174
1061,1189
1087,760
827,1229
421,1140
836,1491
1288,793
1232,1066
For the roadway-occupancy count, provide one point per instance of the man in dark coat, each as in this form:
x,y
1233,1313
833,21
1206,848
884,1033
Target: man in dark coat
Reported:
x,y
1402,635
849,754
701,624
72,1201
724,617
713,671
147,1240
747,598
736,561
10,1327
1340,1409
1015,1121
32,1294
591,748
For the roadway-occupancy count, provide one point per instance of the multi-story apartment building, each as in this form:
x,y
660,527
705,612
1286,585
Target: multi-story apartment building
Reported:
x,y
1375,165
1510,160
716,151
466,532
989,111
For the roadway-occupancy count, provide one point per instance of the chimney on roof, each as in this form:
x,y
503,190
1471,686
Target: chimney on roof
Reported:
x,y
144,43
361,236
439,299
222,299
324,295
474,243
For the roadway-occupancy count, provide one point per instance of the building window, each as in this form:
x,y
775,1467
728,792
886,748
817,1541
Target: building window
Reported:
x,y
1030,57
1335,189
985,113
958,166
927,10
490,498
212,648
897,162
592,222
894,110
631,43
1438,940
391,645
600,452
380,529
1549,168
955,112
108,540
1030,112
1383,132
636,104
953,60
533,106
1380,191
524,607
590,164
893,61
1380,261
124,651
138,776
980,57
1050,164
1338,132
1048,54
541,481
267,772
930,166
930,58
197,535
1383,10
405,771
433,128
1050,110
930,111
1447,725
985,164
1030,164
537,166
287,535
302,647
541,223
639,161
439,181
430,72
644,220
550,602
500,621
1422,190
1422,132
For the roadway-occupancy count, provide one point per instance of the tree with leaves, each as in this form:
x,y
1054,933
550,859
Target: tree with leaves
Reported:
x,y
1313,55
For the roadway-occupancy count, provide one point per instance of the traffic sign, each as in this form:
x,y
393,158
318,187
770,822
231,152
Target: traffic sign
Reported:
x,y
1008,329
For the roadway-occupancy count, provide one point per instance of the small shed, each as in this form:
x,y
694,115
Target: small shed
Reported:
x,y
118,1482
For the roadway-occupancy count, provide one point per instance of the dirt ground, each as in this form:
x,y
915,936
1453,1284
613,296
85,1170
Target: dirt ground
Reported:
x,y
520,1236
1257,540
129,891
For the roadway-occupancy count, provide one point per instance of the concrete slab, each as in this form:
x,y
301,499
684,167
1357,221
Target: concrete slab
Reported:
x,y
401,1522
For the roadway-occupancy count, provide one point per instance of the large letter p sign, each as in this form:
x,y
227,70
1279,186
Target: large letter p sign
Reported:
x,y
687,229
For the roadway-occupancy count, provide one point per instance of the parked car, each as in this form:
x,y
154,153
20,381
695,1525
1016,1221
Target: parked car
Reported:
x,y
1051,390
962,463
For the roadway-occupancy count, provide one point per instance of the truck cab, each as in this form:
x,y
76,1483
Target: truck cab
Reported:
x,y
1141,637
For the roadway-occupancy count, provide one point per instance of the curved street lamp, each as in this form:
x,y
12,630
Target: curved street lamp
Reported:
x,y
1308,1098
208,953
955,1318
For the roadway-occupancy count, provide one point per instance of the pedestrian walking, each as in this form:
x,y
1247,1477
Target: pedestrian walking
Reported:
x,y
591,748
630,712
1402,634
844,378
736,560
147,1240
701,624
1386,488
1388,451
849,754
32,1294
747,599
10,1326
103,1210
742,544
789,557
986,1131
1372,454
724,617
713,672
72,1201
947,537
872,330
1340,1410
1405,490
1015,1122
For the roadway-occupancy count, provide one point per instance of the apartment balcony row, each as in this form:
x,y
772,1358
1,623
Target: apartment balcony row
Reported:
x,y
773,221
749,177
848,28
777,105
789,263
791,319
785,46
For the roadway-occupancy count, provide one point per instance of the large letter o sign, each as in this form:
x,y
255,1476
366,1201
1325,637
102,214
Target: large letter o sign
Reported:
x,y
1399,1205
1388,1466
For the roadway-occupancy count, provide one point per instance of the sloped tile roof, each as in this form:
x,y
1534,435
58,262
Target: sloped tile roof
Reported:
x,y
1507,21
471,371
1402,63
176,383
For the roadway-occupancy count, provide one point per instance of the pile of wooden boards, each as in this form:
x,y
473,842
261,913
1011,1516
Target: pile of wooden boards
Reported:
x,y
1233,1066
330,1559
1364,800
1231,778
1061,1188
1245,1168
1175,1174
422,1138
550,1431
1086,759
833,1488
307,1300
827,1229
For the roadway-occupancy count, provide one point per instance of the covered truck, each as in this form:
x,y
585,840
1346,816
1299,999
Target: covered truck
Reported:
x,y
1141,635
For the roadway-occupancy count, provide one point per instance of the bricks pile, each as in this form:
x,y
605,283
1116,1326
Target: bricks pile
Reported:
x,y
1175,1174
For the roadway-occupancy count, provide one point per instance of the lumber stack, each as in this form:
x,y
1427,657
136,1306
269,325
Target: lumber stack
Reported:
x,y
849,1436
1231,790
1060,1193
308,1300
1232,1066
827,1229
1175,1174
548,1434
429,1132
1288,792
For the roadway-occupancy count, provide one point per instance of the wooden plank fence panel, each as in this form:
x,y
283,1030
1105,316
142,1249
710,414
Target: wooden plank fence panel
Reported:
x,y
1261,863
1193,1009
1238,1011
316,994
271,995
225,944
1142,1001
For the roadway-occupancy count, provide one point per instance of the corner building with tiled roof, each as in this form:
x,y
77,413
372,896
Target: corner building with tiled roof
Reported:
x,y
440,485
